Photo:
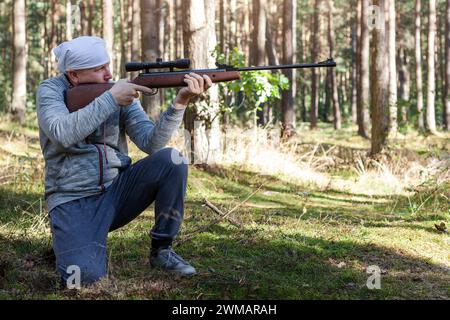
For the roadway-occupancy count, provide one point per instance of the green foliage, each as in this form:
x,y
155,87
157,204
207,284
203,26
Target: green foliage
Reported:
x,y
258,87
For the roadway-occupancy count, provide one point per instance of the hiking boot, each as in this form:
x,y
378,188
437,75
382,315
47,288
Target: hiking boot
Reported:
x,y
168,260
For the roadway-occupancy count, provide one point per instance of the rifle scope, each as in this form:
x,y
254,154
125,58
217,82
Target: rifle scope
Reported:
x,y
159,64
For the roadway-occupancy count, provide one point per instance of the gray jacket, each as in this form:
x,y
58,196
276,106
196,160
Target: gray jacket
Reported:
x,y
85,150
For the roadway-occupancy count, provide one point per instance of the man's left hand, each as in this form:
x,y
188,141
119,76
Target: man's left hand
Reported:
x,y
196,85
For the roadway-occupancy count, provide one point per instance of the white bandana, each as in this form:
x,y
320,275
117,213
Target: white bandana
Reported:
x,y
81,53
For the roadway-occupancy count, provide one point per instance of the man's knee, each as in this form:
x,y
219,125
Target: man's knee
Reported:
x,y
173,158
171,155
83,266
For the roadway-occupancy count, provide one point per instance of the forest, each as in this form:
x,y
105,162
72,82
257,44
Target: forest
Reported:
x,y
300,180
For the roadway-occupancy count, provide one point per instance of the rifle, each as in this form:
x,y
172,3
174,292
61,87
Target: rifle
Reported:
x,y
79,96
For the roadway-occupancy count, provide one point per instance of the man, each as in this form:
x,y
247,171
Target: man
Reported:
x,y
91,187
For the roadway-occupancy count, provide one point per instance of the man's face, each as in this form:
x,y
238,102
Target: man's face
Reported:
x,y
99,74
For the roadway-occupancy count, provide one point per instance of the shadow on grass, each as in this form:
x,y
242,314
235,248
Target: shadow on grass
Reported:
x,y
239,264
232,263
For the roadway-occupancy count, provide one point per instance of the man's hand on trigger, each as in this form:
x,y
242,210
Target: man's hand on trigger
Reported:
x,y
196,85
125,92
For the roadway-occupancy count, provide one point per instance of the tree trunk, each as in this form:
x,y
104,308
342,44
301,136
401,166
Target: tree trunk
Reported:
x,y
135,34
123,57
232,22
431,85
246,31
54,16
363,104
68,20
83,28
314,55
393,125
108,30
170,28
333,82
301,76
90,24
19,94
150,49
418,55
380,85
199,39
325,106
223,22
356,35
258,32
404,82
179,44
287,102
447,68
270,46
259,49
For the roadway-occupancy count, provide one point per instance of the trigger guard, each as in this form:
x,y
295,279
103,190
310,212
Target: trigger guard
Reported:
x,y
151,94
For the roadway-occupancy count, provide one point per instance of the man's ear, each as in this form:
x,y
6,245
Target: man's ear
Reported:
x,y
73,77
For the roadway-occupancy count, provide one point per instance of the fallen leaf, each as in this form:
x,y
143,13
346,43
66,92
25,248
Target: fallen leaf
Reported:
x,y
441,227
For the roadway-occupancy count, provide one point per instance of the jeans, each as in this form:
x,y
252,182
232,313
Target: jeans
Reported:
x,y
80,227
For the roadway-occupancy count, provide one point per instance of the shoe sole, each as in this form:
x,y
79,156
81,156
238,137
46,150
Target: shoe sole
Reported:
x,y
174,271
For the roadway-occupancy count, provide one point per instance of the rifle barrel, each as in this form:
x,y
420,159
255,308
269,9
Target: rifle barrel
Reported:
x,y
325,64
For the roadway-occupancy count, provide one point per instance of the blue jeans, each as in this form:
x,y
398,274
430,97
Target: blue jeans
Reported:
x,y
80,227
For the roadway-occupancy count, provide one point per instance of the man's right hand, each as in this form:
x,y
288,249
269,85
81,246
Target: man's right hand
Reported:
x,y
125,92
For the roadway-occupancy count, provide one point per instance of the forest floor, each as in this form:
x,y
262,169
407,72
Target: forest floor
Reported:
x,y
312,233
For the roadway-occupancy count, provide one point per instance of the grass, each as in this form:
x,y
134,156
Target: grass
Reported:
x,y
298,237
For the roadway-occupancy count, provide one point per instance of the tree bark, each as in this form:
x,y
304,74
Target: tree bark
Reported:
x,y
393,125
356,35
404,81
333,82
68,20
179,44
301,77
431,85
83,28
170,28
53,33
289,43
108,31
363,104
123,57
270,46
223,21
259,32
200,39
19,92
150,49
246,31
314,73
447,68
90,22
380,85
232,22
135,31
418,55
259,50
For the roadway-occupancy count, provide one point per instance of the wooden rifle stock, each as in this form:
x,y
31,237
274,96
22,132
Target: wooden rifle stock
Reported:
x,y
80,96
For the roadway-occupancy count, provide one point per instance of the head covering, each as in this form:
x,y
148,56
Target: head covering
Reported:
x,y
81,53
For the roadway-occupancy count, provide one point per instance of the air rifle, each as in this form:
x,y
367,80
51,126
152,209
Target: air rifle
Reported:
x,y
81,95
